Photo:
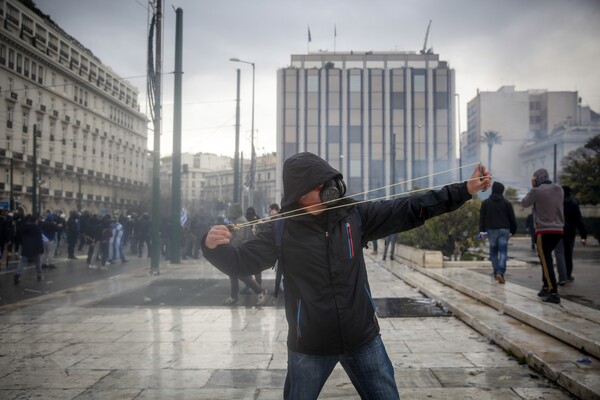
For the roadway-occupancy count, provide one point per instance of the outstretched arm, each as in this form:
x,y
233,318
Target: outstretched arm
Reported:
x,y
480,180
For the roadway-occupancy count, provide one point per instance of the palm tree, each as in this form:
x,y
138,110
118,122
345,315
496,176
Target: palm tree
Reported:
x,y
491,138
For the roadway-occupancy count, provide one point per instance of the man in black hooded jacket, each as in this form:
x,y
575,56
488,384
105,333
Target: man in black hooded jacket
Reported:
x,y
328,302
497,218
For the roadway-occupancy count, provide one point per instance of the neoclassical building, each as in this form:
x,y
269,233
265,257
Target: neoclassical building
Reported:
x,y
85,119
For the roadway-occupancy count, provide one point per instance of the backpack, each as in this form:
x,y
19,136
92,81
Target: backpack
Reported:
x,y
278,238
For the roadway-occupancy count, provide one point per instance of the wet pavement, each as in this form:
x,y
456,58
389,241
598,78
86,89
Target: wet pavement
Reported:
x,y
83,338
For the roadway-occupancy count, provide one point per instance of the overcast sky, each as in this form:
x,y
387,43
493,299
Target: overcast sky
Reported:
x,y
534,44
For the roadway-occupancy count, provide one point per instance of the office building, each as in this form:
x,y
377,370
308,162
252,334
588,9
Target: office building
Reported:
x,y
529,124
362,110
85,119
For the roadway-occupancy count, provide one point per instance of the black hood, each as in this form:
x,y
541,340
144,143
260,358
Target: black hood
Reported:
x,y
302,173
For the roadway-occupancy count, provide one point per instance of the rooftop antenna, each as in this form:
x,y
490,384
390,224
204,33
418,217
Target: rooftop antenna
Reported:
x,y
425,50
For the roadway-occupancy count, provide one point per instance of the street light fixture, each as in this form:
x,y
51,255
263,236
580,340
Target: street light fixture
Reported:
x,y
252,155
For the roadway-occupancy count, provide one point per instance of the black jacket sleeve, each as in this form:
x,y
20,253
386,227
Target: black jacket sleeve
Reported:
x,y
382,218
249,258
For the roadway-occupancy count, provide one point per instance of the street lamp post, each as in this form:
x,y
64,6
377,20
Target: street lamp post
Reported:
x,y
459,137
252,155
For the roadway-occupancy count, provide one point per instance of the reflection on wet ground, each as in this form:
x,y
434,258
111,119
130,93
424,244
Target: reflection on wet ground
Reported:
x,y
212,292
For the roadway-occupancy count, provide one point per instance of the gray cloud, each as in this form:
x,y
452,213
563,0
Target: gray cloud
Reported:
x,y
549,44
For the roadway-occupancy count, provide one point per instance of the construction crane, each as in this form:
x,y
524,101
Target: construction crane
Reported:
x,y
425,50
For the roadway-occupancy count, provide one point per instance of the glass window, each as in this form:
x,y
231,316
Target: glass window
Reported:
x,y
355,101
441,82
312,100
441,100
334,100
419,83
376,101
398,81
355,83
398,100
376,81
377,134
312,83
355,168
333,117
355,134
398,117
290,100
290,117
312,117
377,117
334,81
355,117
333,134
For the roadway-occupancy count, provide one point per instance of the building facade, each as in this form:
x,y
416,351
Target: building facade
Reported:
x,y
527,122
91,138
217,192
194,168
378,117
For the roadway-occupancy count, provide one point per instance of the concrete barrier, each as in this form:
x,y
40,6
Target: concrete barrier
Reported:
x,y
419,257
435,259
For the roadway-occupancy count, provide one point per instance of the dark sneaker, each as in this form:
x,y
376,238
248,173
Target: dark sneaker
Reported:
x,y
570,279
562,283
262,298
16,279
246,291
544,292
552,298
230,301
40,278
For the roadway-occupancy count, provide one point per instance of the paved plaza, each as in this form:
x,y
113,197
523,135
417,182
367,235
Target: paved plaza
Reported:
x,y
79,343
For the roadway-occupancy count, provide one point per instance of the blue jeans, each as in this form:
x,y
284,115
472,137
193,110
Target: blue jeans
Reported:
x,y
369,368
25,260
498,249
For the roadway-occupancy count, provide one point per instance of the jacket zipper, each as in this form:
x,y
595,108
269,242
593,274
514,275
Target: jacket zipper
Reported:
x,y
350,241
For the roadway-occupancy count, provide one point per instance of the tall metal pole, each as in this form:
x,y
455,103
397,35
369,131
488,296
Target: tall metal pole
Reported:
x,y
176,181
11,203
554,163
252,155
236,160
155,251
34,203
393,164
459,139
79,194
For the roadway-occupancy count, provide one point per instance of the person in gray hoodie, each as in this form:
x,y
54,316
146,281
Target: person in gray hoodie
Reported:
x,y
497,218
548,219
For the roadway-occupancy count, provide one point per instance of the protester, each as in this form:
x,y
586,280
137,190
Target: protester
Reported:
x,y
72,234
547,201
564,250
240,236
390,242
497,218
32,247
329,307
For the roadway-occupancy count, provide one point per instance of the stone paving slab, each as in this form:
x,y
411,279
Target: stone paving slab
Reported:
x,y
87,352
553,358
570,322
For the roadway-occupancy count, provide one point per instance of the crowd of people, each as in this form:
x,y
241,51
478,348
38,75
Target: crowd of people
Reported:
x,y
100,240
